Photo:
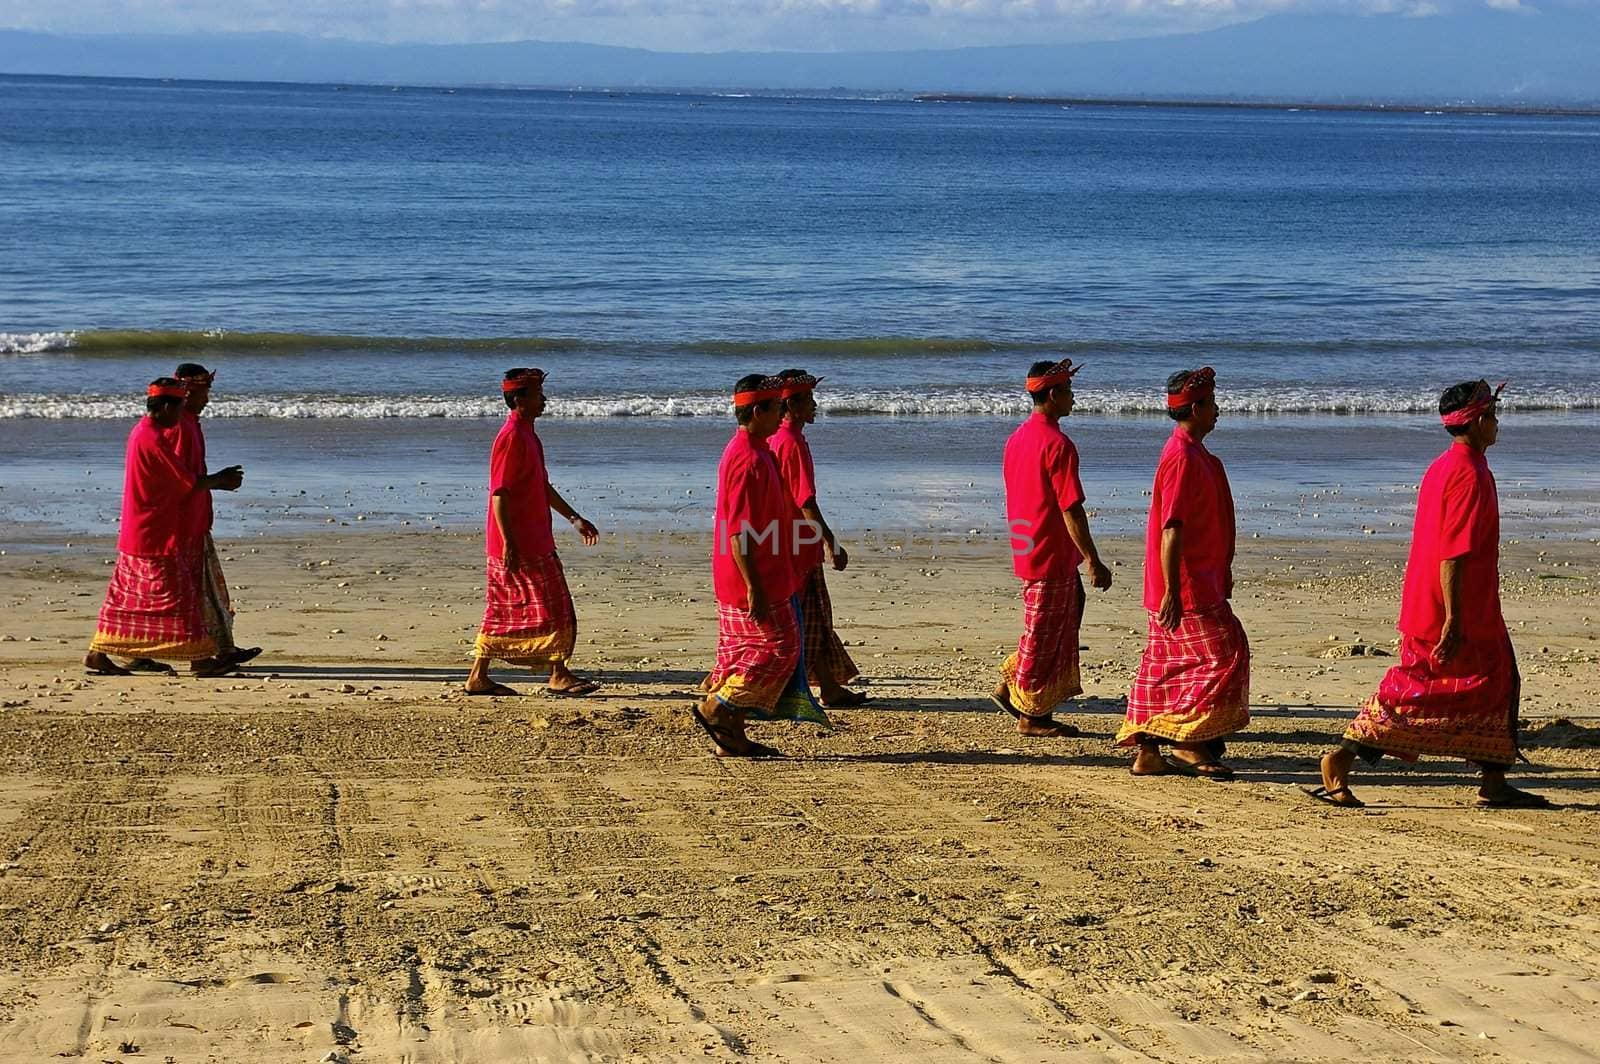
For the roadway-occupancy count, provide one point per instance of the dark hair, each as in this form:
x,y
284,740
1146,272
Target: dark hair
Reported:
x,y
748,383
1175,384
1454,398
156,403
1039,369
511,397
190,369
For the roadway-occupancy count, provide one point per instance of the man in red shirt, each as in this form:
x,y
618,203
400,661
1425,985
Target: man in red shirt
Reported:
x,y
1049,539
1193,685
828,664
154,606
528,618
191,449
1455,691
753,571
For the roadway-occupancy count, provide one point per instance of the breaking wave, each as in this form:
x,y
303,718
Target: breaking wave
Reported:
x,y
890,403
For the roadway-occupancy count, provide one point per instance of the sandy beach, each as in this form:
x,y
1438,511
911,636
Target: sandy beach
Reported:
x,y
338,856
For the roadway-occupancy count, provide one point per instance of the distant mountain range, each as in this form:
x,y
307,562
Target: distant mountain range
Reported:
x,y
1484,56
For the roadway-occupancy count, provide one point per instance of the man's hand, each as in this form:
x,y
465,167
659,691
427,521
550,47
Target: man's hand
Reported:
x,y
1099,575
1171,612
511,556
756,600
841,558
586,531
228,479
1449,641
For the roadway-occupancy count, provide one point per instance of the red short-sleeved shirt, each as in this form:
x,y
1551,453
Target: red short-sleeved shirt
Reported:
x,y
751,497
157,515
793,454
1191,487
1041,474
517,471
191,449
1458,516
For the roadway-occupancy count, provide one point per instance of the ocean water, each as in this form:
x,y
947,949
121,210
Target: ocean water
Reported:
x,y
361,263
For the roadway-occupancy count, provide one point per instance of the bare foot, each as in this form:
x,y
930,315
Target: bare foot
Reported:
x,y
1192,761
1336,790
1149,762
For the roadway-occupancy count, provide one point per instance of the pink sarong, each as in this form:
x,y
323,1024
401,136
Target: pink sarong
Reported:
x,y
528,617
1466,709
1194,683
1043,672
155,608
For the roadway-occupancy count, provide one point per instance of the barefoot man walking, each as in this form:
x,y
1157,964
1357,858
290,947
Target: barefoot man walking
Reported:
x,y
1193,685
154,607
528,618
1455,691
1049,540
828,664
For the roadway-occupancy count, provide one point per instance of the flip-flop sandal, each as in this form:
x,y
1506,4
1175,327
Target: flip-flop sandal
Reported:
x,y
1322,794
720,737
851,700
498,690
1516,799
220,669
240,655
150,665
1196,770
577,690
1058,729
115,670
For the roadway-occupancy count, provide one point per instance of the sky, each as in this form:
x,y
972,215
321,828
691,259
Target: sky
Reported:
x,y
698,25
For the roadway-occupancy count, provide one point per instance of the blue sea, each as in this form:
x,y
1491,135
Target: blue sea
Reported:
x,y
361,263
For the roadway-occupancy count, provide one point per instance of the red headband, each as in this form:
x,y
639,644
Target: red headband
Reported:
x,y
167,391
799,385
521,381
1060,373
1481,404
1202,384
769,388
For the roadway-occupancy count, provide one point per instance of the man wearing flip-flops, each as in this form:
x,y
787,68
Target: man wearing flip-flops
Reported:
x,y
1455,691
1049,540
528,618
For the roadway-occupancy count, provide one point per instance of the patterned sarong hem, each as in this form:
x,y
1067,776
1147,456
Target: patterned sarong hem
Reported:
x,y
528,618
1467,709
1193,684
826,658
154,609
1043,671
760,669
214,594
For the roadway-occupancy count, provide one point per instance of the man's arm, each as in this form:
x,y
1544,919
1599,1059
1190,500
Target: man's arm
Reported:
x,y
755,597
1078,528
587,531
1171,612
1450,631
497,507
836,554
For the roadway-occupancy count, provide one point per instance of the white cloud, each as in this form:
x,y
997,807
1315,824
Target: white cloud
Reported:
x,y
691,24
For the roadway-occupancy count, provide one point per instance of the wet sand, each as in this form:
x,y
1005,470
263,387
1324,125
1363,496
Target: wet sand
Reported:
x,y
338,856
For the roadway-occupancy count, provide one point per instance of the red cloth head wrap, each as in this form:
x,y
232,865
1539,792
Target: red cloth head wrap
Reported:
x,y
1202,384
521,381
202,380
1482,402
799,385
770,388
157,390
1060,373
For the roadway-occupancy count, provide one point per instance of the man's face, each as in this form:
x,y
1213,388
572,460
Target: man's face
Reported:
x,y
199,395
767,417
531,403
1205,415
1488,427
803,408
1065,400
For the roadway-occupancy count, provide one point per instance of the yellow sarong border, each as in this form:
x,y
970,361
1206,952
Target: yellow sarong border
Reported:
x,y
1040,703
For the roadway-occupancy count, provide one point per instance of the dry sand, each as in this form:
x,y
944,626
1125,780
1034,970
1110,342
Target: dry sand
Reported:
x,y
339,857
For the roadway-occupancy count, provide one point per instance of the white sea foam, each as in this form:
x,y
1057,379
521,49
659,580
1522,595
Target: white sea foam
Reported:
x,y
34,343
894,403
